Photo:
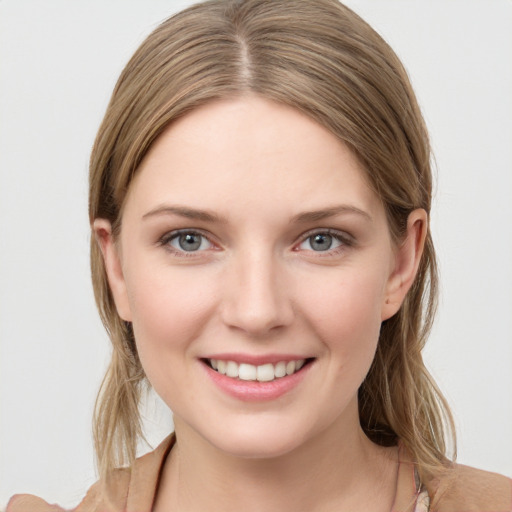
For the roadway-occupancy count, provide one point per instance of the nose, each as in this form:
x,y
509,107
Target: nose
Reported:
x,y
256,299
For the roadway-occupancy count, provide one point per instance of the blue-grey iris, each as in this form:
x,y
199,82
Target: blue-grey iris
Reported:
x,y
190,241
321,242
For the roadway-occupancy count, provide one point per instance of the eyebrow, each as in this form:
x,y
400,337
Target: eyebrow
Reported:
x,y
209,216
184,211
325,213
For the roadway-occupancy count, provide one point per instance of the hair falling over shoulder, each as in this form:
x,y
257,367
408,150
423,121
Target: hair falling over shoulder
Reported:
x,y
341,73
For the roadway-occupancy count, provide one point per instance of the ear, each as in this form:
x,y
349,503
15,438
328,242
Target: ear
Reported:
x,y
111,256
406,262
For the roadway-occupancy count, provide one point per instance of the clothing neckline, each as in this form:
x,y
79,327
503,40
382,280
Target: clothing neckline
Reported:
x,y
410,495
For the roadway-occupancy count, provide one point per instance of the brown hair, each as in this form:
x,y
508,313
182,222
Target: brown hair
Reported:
x,y
322,59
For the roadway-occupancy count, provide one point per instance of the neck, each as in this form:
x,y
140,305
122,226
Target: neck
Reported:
x,y
331,471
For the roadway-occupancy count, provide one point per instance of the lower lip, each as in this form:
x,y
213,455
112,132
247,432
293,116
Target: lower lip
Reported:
x,y
255,391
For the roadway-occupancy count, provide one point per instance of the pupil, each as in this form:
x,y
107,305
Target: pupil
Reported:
x,y
321,242
190,242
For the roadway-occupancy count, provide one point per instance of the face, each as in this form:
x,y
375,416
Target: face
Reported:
x,y
256,266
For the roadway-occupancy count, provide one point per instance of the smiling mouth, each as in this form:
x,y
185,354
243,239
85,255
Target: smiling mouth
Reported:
x,y
260,373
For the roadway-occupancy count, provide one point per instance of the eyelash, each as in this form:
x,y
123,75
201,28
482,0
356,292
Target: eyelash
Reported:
x,y
344,239
166,240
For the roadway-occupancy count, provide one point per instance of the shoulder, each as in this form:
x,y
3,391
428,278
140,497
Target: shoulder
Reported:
x,y
29,503
107,496
466,489
132,488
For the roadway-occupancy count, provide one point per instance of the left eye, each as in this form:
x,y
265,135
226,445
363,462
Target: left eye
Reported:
x,y
320,242
190,241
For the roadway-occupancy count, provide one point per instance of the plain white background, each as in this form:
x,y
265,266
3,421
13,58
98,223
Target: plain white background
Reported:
x,y
59,62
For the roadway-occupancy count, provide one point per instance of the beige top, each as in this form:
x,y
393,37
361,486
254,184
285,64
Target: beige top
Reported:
x,y
468,489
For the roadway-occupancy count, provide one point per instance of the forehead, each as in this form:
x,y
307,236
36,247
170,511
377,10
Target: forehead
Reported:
x,y
250,151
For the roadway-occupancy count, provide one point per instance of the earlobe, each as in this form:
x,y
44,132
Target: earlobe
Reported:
x,y
407,260
102,230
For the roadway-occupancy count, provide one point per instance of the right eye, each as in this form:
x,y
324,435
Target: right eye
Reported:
x,y
188,241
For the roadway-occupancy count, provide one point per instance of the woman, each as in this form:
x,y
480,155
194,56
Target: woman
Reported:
x,y
260,194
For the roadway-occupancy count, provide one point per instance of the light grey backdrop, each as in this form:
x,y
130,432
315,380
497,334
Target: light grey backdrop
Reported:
x,y
58,64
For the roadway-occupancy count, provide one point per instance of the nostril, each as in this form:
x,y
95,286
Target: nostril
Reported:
x,y
254,298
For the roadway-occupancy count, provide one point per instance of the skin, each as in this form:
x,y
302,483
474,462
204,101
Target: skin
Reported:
x,y
257,286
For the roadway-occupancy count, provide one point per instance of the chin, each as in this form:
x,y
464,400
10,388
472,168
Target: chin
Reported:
x,y
259,446
253,438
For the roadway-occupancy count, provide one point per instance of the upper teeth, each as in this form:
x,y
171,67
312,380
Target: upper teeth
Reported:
x,y
261,373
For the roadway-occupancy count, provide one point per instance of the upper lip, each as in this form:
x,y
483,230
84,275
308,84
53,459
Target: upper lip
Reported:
x,y
256,360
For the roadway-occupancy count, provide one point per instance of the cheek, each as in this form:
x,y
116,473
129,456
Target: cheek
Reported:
x,y
346,313
169,309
